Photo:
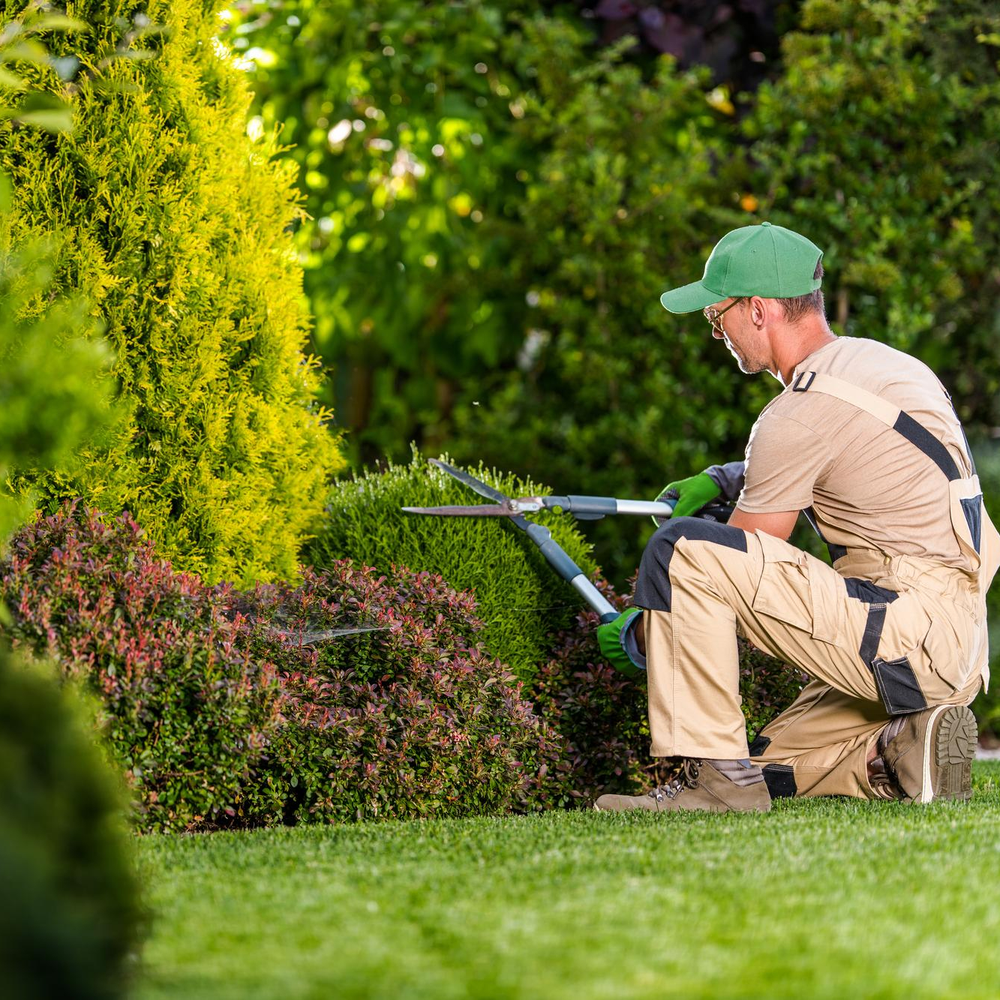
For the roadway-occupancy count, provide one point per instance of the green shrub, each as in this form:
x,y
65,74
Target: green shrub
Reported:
x,y
879,143
69,910
173,223
521,601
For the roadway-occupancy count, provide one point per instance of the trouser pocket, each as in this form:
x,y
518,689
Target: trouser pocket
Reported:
x,y
800,590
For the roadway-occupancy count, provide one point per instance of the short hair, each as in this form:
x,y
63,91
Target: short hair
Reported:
x,y
797,307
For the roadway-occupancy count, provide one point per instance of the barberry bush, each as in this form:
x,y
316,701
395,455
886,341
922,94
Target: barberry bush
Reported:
x,y
186,710
349,694
411,719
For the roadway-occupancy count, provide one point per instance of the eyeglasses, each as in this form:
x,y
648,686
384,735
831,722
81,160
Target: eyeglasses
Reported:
x,y
715,318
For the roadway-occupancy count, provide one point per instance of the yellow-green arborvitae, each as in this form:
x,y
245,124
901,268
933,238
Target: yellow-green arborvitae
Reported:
x,y
175,225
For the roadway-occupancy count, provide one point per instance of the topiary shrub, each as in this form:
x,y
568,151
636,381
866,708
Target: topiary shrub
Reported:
x,y
414,719
186,711
521,601
173,223
69,907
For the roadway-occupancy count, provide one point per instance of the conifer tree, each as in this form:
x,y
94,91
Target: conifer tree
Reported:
x,y
173,223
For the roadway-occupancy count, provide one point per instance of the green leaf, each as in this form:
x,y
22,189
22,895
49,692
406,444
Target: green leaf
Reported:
x,y
29,52
56,22
11,80
51,119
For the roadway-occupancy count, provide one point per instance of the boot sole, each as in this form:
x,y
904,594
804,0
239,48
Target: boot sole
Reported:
x,y
949,746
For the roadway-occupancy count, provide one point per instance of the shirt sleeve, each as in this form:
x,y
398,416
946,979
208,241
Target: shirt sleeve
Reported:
x,y
784,461
729,478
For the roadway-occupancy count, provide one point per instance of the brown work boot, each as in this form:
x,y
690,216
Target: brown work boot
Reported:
x,y
931,756
695,785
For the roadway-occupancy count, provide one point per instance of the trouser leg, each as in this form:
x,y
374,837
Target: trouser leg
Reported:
x,y
822,743
700,580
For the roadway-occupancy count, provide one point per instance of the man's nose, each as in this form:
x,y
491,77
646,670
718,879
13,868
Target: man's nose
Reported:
x,y
716,334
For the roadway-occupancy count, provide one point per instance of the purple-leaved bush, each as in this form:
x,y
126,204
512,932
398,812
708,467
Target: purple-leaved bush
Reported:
x,y
185,708
412,720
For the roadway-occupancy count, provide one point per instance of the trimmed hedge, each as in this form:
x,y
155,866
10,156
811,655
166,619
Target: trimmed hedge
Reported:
x,y
521,601
70,915
174,225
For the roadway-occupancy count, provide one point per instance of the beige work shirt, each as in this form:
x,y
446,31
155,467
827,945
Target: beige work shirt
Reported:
x,y
865,480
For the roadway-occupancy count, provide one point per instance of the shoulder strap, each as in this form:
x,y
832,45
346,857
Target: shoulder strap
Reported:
x,y
890,415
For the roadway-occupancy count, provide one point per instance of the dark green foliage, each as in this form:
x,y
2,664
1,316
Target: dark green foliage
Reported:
x,y
69,911
601,182
521,601
173,224
609,394
186,711
400,114
879,143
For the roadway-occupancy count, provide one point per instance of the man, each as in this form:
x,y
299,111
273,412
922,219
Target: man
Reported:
x,y
864,440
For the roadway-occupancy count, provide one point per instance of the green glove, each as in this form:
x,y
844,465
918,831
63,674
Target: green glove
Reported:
x,y
691,494
610,636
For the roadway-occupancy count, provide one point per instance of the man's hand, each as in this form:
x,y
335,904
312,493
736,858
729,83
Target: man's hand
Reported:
x,y
691,494
611,637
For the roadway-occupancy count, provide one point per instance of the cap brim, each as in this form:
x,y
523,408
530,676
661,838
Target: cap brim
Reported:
x,y
689,298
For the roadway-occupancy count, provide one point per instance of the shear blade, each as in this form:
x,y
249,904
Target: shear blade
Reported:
x,y
474,484
494,510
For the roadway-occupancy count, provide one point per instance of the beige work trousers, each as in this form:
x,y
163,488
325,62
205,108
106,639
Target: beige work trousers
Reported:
x,y
702,583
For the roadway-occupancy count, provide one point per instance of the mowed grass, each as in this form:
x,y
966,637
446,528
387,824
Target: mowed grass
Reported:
x,y
822,898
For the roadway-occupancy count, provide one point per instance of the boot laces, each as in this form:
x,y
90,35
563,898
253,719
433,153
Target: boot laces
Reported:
x,y
685,775
882,780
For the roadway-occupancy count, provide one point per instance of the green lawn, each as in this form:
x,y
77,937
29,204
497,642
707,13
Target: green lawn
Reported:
x,y
831,898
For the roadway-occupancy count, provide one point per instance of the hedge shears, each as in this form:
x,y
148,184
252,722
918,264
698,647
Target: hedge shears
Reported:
x,y
586,508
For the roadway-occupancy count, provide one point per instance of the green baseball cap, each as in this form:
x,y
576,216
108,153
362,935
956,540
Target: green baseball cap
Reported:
x,y
764,260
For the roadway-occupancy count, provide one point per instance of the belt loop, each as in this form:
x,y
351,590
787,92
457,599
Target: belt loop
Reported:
x,y
797,385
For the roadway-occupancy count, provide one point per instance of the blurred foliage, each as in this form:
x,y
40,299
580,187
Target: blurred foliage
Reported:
x,y
521,601
738,41
69,896
53,363
880,142
400,117
489,238
498,201
173,224
69,905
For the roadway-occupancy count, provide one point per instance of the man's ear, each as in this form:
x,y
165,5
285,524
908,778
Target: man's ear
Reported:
x,y
758,311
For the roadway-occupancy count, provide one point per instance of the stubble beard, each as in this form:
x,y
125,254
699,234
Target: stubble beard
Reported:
x,y
747,365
